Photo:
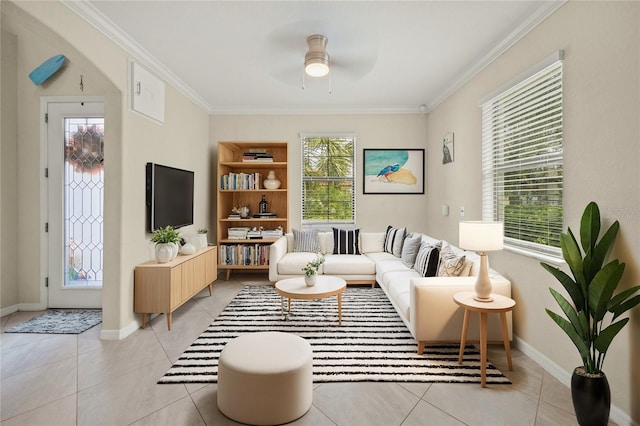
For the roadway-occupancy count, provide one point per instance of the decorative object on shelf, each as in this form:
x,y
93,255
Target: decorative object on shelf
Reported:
x,y
202,236
263,206
271,182
166,240
393,171
482,237
311,270
241,211
591,290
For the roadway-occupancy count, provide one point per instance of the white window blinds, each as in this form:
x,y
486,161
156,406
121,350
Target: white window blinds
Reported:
x,y
328,179
522,161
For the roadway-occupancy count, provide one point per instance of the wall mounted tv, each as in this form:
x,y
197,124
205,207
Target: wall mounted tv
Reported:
x,y
169,197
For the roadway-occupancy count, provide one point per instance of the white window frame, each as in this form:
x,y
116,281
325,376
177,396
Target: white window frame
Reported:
x,y
528,93
328,223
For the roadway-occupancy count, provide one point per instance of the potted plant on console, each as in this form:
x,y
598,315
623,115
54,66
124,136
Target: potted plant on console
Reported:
x,y
166,240
592,312
311,270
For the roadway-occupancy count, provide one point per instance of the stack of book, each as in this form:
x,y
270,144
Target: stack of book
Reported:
x,y
254,234
263,157
264,215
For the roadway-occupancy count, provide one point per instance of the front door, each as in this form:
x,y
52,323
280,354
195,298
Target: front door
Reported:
x,y
75,194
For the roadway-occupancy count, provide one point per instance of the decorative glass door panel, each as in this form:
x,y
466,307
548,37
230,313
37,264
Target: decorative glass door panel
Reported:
x,y
83,201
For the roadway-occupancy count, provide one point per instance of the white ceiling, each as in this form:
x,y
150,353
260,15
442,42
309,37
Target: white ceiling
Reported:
x,y
247,56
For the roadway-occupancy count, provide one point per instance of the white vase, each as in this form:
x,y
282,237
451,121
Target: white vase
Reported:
x,y
310,280
188,248
164,252
271,182
203,240
175,249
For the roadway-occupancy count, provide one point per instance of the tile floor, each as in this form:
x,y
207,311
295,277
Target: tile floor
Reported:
x,y
82,380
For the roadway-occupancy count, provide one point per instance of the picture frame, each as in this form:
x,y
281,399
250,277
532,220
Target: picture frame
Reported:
x,y
447,148
393,171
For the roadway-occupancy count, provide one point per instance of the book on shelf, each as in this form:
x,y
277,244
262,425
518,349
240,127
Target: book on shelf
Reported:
x,y
264,215
244,254
257,157
234,216
236,181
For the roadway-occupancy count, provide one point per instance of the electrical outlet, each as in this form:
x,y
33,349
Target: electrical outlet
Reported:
x,y
462,211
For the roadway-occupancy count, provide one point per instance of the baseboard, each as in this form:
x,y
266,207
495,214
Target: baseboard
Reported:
x,y
616,414
8,310
121,333
32,306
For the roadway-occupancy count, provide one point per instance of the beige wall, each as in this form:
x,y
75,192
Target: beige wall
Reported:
x,y
374,212
8,172
601,151
44,29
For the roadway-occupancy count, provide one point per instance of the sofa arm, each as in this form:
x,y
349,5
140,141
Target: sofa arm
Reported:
x,y
436,317
277,250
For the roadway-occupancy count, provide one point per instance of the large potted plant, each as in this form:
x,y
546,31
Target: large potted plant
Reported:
x,y
593,311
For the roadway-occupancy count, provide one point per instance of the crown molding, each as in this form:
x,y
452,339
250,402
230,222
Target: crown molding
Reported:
x,y
104,25
329,110
542,13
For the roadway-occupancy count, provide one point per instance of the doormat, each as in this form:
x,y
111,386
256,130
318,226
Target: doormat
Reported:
x,y
372,344
60,322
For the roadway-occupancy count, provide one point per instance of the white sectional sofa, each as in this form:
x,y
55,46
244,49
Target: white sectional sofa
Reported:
x,y
425,304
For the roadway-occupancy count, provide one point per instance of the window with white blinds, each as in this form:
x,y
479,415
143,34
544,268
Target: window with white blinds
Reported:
x,y
522,161
328,179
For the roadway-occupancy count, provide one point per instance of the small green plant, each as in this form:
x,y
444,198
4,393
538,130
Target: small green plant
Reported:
x,y
166,235
311,268
589,321
203,231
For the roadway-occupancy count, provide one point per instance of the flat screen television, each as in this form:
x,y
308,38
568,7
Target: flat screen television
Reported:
x,y
169,197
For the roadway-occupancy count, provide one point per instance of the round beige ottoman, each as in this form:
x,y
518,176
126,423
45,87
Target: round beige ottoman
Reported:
x,y
265,378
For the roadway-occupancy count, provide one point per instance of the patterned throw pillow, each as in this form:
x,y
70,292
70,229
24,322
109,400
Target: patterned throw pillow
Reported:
x,y
394,239
345,241
451,265
410,249
306,240
427,260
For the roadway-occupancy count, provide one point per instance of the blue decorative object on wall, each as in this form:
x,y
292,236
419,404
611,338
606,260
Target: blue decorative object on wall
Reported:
x,y
46,70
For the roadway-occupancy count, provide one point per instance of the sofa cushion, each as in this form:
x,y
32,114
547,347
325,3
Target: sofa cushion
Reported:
x,y
451,264
346,241
292,263
372,242
380,256
391,277
427,260
410,249
306,240
394,239
348,264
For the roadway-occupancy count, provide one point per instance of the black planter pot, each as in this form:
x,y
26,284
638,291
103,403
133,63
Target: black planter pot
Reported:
x,y
591,398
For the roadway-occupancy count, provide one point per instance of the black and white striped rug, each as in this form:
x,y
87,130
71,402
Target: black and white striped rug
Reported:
x,y
372,344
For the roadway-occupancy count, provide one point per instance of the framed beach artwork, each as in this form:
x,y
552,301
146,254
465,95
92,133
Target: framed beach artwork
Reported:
x,y
447,148
393,171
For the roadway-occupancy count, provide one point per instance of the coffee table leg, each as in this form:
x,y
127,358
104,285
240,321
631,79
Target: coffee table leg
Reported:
x,y
340,309
505,337
282,306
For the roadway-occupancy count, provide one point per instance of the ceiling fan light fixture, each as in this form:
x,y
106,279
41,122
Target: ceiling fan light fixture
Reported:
x,y
316,61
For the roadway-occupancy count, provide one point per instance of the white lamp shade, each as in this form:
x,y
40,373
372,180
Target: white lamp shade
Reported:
x,y
481,236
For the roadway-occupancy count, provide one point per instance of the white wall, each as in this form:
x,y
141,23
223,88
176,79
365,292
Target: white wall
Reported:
x,y
44,29
601,151
373,212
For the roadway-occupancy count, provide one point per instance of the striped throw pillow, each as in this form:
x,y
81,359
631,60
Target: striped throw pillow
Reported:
x,y
427,260
306,240
345,241
393,240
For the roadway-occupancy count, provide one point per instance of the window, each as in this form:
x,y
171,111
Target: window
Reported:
x,y
328,179
522,161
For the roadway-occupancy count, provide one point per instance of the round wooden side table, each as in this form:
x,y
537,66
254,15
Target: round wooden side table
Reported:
x,y
499,305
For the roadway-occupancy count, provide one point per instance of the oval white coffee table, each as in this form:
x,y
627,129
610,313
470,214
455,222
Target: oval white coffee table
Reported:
x,y
326,286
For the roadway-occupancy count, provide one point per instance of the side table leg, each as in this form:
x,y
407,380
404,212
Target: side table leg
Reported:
x,y
505,337
463,338
340,309
483,349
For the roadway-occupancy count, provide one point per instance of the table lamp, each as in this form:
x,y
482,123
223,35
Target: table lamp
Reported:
x,y
482,237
